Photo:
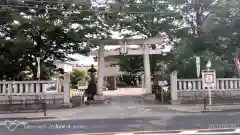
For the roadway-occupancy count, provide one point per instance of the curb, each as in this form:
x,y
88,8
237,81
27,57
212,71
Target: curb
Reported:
x,y
212,111
204,111
182,111
31,118
43,117
221,110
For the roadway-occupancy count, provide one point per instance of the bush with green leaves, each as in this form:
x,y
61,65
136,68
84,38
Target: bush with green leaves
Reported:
x,y
78,75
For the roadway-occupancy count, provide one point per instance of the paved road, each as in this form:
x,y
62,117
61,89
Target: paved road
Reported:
x,y
178,122
126,113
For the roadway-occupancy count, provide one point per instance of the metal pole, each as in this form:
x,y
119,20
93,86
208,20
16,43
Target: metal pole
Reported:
x,y
162,92
209,93
45,109
210,96
205,104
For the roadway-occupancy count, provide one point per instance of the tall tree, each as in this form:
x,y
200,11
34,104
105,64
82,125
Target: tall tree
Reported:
x,y
47,29
216,39
144,18
11,48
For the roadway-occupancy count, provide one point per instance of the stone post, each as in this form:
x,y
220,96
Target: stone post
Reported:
x,y
66,85
174,92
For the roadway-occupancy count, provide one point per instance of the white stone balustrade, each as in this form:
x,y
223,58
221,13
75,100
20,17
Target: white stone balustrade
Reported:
x,y
28,87
196,84
50,89
193,88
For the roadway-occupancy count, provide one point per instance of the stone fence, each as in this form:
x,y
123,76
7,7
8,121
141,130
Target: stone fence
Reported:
x,y
192,89
18,91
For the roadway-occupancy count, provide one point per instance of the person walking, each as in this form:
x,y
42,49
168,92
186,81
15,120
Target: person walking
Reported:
x,y
92,85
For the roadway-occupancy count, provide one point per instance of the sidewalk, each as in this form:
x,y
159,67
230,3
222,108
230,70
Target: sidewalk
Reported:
x,y
51,114
122,97
125,110
123,103
200,108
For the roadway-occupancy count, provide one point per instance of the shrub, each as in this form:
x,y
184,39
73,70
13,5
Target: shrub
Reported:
x,y
78,75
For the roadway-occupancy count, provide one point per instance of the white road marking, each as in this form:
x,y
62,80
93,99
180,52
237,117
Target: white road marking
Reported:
x,y
188,132
125,134
233,113
159,134
213,133
237,130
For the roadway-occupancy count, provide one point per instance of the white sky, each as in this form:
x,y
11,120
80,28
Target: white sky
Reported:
x,y
83,60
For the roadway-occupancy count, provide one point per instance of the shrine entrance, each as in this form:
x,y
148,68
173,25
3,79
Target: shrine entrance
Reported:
x,y
109,68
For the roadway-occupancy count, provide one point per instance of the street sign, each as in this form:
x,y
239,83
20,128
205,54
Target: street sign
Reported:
x,y
209,78
198,66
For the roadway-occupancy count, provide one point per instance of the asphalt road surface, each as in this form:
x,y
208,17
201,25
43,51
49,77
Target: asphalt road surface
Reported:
x,y
151,124
125,115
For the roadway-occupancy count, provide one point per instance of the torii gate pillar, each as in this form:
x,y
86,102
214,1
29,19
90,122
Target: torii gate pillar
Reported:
x,y
147,71
148,96
100,83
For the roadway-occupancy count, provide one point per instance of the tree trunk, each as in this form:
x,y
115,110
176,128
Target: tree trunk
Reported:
x,y
34,72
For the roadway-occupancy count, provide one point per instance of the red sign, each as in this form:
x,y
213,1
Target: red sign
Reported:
x,y
209,78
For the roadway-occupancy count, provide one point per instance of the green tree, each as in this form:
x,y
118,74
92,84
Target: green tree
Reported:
x,y
207,38
11,48
209,30
144,18
44,30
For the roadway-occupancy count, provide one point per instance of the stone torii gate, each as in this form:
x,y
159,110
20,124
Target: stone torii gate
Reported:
x,y
123,51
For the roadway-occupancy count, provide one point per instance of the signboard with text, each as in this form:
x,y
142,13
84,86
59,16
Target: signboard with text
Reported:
x,y
209,78
198,66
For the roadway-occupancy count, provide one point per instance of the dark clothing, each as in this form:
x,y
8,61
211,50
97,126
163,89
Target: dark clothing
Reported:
x,y
92,90
92,70
92,86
